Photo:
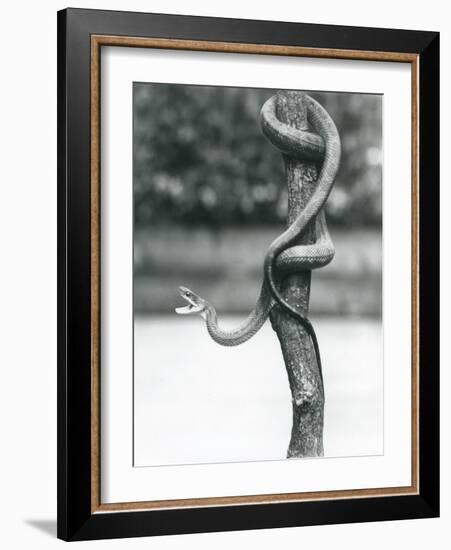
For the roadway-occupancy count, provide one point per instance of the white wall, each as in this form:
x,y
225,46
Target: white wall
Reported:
x,y
28,275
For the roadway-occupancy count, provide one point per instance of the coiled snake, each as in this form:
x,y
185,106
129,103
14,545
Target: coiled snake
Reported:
x,y
284,256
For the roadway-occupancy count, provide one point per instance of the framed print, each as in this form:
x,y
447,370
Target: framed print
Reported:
x,y
248,274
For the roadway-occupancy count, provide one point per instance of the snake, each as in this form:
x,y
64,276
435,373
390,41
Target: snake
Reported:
x,y
285,256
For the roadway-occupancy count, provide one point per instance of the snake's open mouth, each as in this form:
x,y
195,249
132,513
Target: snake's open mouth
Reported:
x,y
193,305
190,308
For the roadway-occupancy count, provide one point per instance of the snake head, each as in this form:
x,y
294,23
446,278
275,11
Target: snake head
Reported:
x,y
195,303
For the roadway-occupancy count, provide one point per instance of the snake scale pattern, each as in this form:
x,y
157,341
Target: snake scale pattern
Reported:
x,y
285,256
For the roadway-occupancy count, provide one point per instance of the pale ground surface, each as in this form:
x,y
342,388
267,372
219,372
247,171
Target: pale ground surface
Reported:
x,y
196,401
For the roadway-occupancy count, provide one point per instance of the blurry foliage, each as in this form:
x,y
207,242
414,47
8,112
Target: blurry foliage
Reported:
x,y
200,157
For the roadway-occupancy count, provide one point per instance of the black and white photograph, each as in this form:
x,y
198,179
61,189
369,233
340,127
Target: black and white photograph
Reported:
x,y
257,276
225,294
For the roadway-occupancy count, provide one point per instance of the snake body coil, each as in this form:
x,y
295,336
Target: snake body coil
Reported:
x,y
284,256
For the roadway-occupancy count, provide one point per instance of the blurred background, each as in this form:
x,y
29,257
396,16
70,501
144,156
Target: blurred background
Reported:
x,y
209,197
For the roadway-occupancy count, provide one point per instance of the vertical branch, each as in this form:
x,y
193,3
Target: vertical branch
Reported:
x,y
297,348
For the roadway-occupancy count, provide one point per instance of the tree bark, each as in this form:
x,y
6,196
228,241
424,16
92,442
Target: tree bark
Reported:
x,y
297,348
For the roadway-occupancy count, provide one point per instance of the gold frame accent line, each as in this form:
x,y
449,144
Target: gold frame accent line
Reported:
x,y
415,270
95,276
228,47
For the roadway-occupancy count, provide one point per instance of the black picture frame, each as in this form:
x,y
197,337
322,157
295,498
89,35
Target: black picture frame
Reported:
x,y
76,519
